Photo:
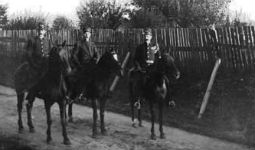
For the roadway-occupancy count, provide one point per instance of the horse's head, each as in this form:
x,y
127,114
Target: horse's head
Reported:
x,y
65,56
59,59
55,65
166,64
110,62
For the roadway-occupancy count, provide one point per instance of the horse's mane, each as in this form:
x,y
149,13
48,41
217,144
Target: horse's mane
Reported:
x,y
105,59
54,62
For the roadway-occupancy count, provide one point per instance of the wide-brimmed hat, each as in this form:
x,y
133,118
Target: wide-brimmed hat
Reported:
x,y
147,31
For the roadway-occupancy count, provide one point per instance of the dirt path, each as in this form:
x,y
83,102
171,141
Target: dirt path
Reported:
x,y
121,136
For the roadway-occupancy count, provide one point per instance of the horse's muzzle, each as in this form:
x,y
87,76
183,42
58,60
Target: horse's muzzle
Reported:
x,y
178,75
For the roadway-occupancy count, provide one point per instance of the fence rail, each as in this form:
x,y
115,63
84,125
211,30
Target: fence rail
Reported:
x,y
191,47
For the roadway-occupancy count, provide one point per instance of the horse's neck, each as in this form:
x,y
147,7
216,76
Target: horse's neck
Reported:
x,y
54,69
104,73
156,78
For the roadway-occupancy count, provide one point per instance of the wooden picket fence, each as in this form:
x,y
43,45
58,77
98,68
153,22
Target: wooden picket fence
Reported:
x,y
191,47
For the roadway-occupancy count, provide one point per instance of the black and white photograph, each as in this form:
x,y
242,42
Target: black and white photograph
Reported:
x,y
127,74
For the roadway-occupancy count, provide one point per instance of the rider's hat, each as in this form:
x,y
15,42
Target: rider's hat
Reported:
x,y
40,26
147,31
86,29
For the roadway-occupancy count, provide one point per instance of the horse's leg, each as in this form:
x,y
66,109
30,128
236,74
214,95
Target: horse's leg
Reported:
x,y
20,98
49,120
139,117
30,100
102,108
94,128
132,103
162,134
70,112
140,113
153,136
62,108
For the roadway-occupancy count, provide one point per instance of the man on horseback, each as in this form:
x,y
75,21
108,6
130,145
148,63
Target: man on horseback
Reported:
x,y
38,46
37,52
84,57
84,49
146,53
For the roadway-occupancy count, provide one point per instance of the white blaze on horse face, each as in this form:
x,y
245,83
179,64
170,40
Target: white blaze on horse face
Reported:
x,y
178,75
115,56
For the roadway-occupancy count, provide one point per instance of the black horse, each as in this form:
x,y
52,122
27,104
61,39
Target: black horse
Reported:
x,y
152,87
51,87
95,80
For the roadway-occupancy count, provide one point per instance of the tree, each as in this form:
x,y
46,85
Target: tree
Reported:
x,y
24,23
61,22
240,18
3,15
142,19
100,14
188,12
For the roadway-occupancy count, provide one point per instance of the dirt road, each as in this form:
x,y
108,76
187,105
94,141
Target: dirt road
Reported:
x,y
121,135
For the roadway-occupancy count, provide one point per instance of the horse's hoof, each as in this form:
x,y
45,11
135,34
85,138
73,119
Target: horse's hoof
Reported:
x,y
133,125
104,132
70,120
49,140
162,136
21,130
153,137
94,136
67,142
32,130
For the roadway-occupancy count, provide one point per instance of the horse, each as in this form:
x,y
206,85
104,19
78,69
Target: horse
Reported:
x,y
96,79
51,88
152,87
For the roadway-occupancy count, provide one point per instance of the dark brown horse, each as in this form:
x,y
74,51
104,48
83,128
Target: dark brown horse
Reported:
x,y
152,87
51,88
96,79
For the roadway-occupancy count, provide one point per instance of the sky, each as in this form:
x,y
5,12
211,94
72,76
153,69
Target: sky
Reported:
x,y
49,8
246,6
53,8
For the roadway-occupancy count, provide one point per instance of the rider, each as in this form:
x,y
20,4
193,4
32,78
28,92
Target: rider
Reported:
x,y
145,56
146,53
36,54
38,47
85,49
83,54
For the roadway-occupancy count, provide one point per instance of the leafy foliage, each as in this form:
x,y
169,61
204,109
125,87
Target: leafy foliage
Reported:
x,y
142,19
3,15
100,14
188,12
61,22
24,23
